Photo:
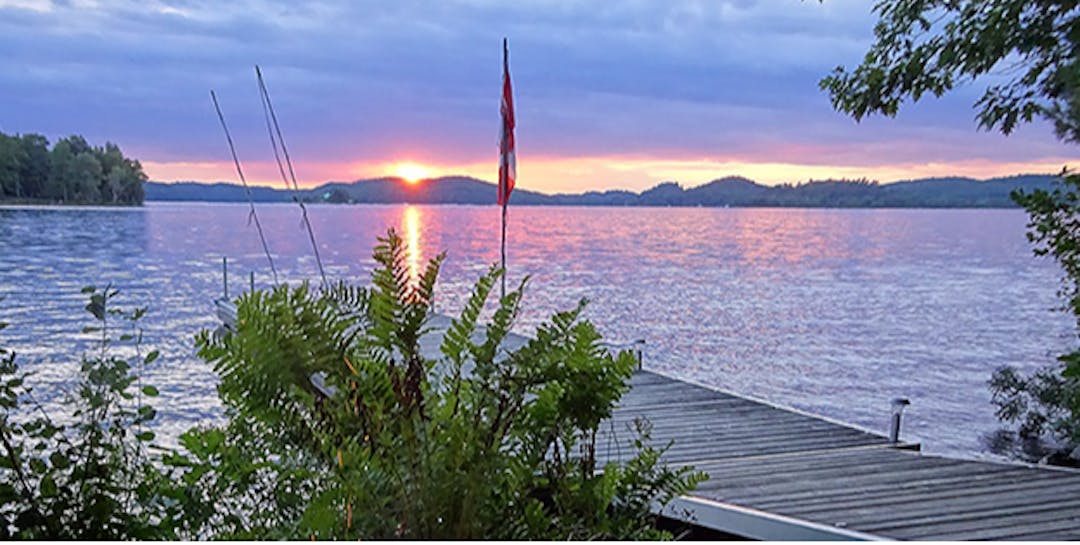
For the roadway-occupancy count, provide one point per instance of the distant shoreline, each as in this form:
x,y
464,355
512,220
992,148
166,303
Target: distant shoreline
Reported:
x,y
6,205
731,192
49,203
931,193
536,205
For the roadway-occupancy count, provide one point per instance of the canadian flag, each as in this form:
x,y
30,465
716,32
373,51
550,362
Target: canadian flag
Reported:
x,y
507,160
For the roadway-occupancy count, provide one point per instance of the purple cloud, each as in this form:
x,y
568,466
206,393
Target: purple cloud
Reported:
x,y
359,81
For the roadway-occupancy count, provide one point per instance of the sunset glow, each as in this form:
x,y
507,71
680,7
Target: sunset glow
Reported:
x,y
578,174
412,172
417,104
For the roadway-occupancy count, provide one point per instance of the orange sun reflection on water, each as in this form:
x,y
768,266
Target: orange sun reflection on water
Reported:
x,y
410,223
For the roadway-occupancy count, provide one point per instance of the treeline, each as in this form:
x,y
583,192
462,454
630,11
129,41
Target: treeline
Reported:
x,y
71,172
952,192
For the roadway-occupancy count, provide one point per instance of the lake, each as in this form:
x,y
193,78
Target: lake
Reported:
x,y
834,312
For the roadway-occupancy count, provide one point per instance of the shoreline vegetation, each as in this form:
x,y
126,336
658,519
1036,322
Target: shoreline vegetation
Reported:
x,y
71,172
473,440
951,192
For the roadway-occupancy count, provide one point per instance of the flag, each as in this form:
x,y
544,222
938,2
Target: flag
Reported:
x,y
507,160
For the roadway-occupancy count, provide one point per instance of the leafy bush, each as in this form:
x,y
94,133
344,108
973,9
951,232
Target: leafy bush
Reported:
x,y
1038,409
91,475
342,424
1046,404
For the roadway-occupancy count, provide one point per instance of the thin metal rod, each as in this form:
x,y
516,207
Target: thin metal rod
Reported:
x,y
504,173
272,128
503,251
251,201
225,275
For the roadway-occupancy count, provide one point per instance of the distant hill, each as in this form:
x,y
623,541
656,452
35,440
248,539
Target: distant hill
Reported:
x,y
730,191
449,190
219,192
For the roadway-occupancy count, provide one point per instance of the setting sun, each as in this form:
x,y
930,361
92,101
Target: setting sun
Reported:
x,y
411,172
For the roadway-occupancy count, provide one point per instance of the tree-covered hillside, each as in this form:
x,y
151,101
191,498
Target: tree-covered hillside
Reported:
x,y
731,191
71,172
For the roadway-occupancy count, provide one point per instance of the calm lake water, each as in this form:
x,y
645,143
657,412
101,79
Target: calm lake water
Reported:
x,y
831,311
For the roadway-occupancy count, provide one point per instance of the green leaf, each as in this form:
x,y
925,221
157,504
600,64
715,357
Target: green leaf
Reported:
x,y
96,306
37,466
150,391
153,355
48,486
59,460
145,436
48,430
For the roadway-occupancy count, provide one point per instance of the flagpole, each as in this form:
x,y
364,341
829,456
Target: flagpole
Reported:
x,y
502,174
504,250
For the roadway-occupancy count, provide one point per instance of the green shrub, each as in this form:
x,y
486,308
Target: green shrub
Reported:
x,y
340,426
90,475
1044,406
388,441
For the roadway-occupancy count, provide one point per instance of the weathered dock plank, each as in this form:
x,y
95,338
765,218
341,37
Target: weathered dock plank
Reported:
x,y
827,475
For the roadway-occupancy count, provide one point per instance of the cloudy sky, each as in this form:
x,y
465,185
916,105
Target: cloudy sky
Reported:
x,y
608,94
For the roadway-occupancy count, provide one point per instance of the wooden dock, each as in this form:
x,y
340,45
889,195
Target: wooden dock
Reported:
x,y
776,473
781,474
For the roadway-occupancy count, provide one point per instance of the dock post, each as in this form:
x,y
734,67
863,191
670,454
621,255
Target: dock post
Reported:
x,y
898,405
225,275
640,353
252,278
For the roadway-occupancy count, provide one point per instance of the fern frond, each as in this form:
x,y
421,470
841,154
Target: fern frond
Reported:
x,y
505,316
419,301
457,340
425,287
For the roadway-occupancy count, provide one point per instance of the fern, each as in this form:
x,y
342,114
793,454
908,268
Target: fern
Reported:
x,y
482,443
456,340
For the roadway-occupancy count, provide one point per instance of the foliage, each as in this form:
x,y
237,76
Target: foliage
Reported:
x,y
343,425
1041,406
732,191
89,475
73,171
1054,230
930,46
12,156
1029,49
1047,403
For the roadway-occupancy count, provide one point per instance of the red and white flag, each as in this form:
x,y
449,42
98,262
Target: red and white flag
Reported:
x,y
507,160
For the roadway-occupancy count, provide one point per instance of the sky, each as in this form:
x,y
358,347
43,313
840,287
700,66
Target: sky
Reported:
x,y
608,95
